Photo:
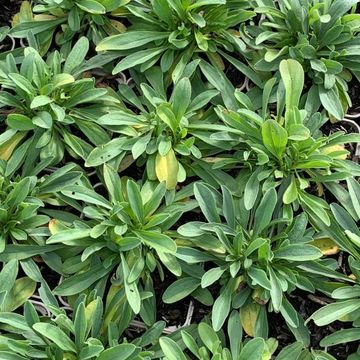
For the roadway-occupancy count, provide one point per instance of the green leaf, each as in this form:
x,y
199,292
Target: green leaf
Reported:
x,y
171,349
235,332
113,183
8,275
21,30
354,192
181,97
291,352
156,240
220,82
274,137
298,252
135,200
19,192
20,122
68,236
258,276
332,312
77,55
104,153
155,200
292,75
166,114
290,194
80,282
22,83
138,58
130,40
122,351
253,350
265,210
252,188
276,291
343,336
180,289
56,335
331,102
15,320
207,202
221,307
91,6
208,336
82,193
211,276
289,313
39,101
131,288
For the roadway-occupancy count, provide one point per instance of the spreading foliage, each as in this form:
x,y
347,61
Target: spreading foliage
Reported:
x,y
159,156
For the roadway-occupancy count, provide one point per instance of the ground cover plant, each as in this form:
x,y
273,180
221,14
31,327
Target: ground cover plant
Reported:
x,y
179,179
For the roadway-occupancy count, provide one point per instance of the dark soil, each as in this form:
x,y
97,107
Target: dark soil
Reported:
x,y
8,9
354,93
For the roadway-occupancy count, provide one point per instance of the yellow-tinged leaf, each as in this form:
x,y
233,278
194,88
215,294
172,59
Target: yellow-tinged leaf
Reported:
x,y
121,10
336,151
23,289
113,304
89,311
326,246
25,14
44,17
183,242
166,168
69,356
119,26
248,316
270,347
9,146
217,59
15,20
56,226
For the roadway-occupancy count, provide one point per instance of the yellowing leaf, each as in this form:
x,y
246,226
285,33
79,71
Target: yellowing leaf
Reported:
x,y
23,289
326,246
9,146
118,25
248,316
55,226
44,17
25,14
336,151
166,168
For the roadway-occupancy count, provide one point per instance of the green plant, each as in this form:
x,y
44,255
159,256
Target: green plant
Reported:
x,y
252,250
22,199
64,20
45,101
19,218
286,151
61,337
322,35
174,32
212,346
347,305
129,230
158,133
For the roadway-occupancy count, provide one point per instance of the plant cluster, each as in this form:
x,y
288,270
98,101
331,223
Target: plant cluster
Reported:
x,y
160,153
